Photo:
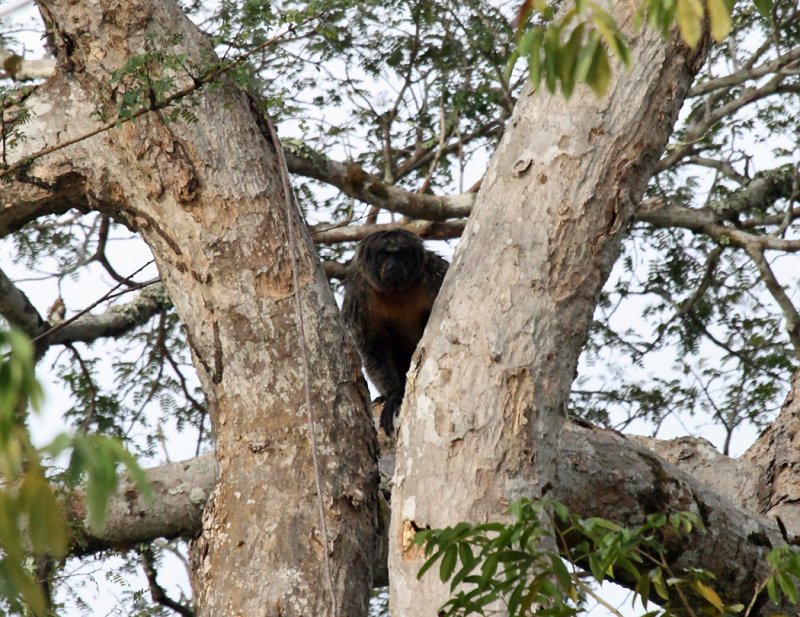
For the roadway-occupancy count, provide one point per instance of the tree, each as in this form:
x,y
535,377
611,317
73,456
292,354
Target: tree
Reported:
x,y
142,127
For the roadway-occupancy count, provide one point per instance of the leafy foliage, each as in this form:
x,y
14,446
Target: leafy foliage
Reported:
x,y
150,81
712,346
519,565
582,57
33,521
31,518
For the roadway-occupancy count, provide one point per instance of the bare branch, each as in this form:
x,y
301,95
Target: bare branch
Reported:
x,y
785,61
703,220
334,270
445,230
779,293
157,592
723,167
18,310
116,320
703,123
353,181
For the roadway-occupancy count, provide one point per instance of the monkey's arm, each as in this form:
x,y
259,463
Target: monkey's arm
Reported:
x,y
435,269
384,370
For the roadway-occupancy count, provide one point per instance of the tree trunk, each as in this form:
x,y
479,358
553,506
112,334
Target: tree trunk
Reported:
x,y
208,198
487,390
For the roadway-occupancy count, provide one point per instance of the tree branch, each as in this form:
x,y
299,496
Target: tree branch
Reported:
x,y
18,310
444,230
157,592
353,181
707,220
779,293
600,473
781,63
703,123
181,490
115,321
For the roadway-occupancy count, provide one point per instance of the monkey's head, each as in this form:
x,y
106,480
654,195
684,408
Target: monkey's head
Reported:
x,y
391,260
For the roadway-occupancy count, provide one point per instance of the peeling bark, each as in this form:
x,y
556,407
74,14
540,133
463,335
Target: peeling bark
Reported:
x,y
598,473
487,390
208,199
765,480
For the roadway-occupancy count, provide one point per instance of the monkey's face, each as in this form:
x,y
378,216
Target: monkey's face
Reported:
x,y
391,260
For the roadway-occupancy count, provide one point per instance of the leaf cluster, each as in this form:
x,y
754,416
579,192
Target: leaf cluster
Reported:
x,y
536,563
33,519
571,48
150,80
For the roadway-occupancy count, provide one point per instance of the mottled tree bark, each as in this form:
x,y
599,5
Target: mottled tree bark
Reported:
x,y
208,198
598,473
765,480
486,395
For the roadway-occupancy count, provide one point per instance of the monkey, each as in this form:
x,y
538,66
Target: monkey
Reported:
x,y
388,296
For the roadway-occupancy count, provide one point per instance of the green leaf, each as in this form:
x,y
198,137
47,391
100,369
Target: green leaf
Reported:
x,y
611,34
656,520
599,75
772,590
569,60
622,50
642,590
586,56
134,470
719,15
515,599
560,509
597,568
602,523
23,585
560,571
427,565
448,563
466,555
690,21
9,527
489,566
788,588
47,527
61,442
764,7
512,61
551,59
657,578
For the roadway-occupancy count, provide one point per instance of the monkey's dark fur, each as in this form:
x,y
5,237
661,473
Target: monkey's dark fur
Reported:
x,y
388,296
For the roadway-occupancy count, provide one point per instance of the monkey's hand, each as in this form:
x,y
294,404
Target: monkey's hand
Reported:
x,y
391,407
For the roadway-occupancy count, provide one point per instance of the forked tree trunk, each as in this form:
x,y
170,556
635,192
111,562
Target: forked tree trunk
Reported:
x,y
208,198
487,391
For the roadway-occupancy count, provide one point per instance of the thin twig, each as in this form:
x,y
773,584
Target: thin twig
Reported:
x,y
197,83
779,293
111,294
157,592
